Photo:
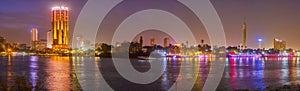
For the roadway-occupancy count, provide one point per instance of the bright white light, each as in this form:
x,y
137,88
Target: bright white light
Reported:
x,y
259,40
60,8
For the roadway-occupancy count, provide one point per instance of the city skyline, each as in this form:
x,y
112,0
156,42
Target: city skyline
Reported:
x,y
151,45
276,19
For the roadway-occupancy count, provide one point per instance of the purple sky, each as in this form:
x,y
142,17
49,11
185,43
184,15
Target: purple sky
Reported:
x,y
266,19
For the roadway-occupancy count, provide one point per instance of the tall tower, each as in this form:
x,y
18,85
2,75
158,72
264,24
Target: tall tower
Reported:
x,y
60,27
34,37
259,43
34,34
244,27
141,41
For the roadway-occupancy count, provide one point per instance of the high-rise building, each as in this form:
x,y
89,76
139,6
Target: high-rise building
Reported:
x,y
34,37
34,34
60,27
49,39
167,42
244,28
153,42
279,44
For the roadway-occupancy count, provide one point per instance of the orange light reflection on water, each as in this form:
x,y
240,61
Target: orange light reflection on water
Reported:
x,y
59,74
9,72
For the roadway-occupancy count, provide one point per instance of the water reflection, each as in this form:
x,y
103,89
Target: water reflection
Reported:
x,y
258,73
33,70
9,72
58,73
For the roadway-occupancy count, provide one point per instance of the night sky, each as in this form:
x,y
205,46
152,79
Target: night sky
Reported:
x,y
266,19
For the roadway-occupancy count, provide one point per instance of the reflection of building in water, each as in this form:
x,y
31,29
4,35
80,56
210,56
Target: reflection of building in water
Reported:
x,y
58,70
33,70
279,44
293,70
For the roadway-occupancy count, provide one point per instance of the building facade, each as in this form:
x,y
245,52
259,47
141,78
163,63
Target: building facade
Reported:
x,y
49,39
244,29
279,44
60,27
40,45
34,37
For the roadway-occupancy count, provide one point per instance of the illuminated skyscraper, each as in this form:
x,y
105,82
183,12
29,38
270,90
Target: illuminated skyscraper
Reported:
x,y
49,39
34,36
167,42
279,44
244,27
60,27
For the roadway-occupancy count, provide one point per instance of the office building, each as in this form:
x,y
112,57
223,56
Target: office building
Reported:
x,y
49,39
60,27
34,37
40,45
279,44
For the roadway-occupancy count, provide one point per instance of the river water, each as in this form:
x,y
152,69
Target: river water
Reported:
x,y
58,73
